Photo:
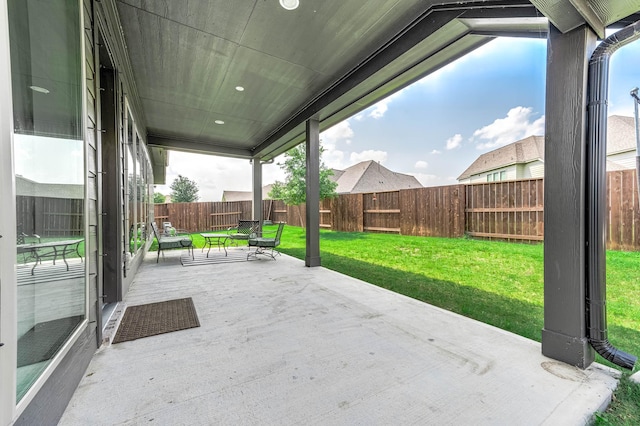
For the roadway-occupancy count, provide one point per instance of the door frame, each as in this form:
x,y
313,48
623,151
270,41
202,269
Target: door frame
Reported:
x,y
109,178
8,289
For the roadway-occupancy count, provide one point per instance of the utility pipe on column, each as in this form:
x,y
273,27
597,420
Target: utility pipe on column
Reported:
x,y
598,87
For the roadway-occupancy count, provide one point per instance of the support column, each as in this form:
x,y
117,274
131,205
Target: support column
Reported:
x,y
256,206
564,336
312,257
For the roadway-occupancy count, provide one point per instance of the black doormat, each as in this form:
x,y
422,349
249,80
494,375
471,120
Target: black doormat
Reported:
x,y
44,339
156,318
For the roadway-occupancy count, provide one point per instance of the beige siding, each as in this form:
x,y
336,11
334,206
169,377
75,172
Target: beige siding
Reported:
x,y
534,169
626,160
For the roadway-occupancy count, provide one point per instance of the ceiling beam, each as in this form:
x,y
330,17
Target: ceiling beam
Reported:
x,y
589,15
198,147
567,15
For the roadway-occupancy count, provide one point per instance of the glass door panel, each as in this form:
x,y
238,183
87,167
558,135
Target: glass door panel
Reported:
x,y
46,58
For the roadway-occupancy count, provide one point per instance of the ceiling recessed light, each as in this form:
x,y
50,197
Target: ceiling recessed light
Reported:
x,y
219,122
289,4
240,88
38,89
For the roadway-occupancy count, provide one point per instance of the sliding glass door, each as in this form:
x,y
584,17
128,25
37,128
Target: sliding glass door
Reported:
x,y
49,158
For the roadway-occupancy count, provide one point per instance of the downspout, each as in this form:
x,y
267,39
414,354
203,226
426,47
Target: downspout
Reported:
x,y
596,200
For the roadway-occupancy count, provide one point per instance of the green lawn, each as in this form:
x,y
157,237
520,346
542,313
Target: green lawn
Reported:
x,y
494,282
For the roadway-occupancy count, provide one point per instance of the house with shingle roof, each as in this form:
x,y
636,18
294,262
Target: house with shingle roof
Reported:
x,y
366,176
371,176
518,160
525,158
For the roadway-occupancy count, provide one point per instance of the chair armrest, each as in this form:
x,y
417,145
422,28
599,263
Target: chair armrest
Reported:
x,y
262,233
182,233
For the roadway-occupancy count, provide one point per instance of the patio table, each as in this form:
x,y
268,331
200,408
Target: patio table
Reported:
x,y
57,248
219,239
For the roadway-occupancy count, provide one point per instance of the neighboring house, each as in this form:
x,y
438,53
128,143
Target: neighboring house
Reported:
x,y
245,195
525,158
518,160
366,176
621,143
370,176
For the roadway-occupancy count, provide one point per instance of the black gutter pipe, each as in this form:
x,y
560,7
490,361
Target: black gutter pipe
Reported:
x,y
596,200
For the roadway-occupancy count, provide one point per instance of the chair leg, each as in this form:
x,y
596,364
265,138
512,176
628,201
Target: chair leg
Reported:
x,y
269,251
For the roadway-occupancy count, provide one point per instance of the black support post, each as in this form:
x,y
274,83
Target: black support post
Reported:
x,y
565,332
312,257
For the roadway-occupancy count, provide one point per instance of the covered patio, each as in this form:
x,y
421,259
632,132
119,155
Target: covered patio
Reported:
x,y
280,343
287,341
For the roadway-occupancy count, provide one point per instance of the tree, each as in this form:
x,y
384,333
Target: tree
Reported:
x,y
183,190
293,190
158,198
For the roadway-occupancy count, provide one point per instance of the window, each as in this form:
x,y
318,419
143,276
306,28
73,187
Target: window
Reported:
x,y
46,58
497,176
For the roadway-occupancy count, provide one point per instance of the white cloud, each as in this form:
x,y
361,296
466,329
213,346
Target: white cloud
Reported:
x,y
341,132
435,152
378,110
454,141
334,159
379,156
421,164
434,180
515,126
212,174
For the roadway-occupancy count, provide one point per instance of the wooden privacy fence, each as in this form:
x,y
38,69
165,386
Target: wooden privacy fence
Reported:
x,y
50,217
511,210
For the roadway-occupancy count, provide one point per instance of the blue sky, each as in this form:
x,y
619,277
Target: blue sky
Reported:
x,y
436,127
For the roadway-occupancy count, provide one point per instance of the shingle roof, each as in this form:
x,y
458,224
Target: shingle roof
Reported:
x,y
520,152
621,134
370,176
620,138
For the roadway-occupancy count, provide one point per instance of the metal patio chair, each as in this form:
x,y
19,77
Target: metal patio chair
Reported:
x,y
265,245
166,242
244,230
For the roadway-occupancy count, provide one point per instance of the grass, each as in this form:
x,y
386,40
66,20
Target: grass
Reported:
x,y
494,282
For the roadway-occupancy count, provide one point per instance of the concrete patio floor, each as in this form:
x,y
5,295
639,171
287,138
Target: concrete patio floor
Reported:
x,y
283,344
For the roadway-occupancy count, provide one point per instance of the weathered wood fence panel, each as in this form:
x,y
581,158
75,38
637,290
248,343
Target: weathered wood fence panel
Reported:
x,y
50,217
205,216
436,211
623,229
347,213
381,212
511,210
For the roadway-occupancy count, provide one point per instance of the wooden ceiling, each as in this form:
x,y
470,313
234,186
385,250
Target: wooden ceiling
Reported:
x,y
326,59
